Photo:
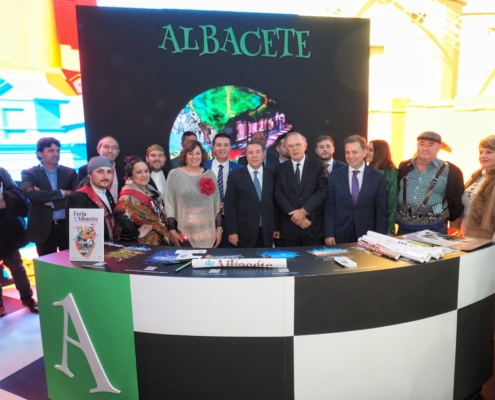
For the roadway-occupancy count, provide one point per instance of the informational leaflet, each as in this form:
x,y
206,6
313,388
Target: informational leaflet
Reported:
x,y
86,234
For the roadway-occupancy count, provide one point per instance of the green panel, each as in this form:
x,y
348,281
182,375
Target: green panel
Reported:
x,y
104,303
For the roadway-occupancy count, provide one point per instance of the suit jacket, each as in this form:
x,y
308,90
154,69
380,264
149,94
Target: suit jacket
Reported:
x,y
81,200
83,173
338,165
343,218
243,208
272,161
40,216
312,196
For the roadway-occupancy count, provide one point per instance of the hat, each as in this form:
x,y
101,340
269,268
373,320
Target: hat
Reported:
x,y
430,135
97,162
155,147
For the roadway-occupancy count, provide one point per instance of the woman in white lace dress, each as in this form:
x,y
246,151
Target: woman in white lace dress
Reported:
x,y
479,195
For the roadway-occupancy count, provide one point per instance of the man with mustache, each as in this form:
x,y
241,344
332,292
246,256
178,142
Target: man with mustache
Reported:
x,y
95,194
109,148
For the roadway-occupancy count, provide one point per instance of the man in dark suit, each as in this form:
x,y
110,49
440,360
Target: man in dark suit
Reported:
x,y
186,137
324,149
94,194
155,157
300,192
270,161
107,147
249,210
357,197
46,186
13,208
221,147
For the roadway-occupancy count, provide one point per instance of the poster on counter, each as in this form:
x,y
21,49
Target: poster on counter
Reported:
x,y
86,234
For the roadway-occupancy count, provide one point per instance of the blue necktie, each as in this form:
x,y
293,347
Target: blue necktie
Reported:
x,y
220,182
355,187
257,186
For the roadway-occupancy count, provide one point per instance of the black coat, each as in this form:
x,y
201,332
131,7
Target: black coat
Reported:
x,y
453,191
312,196
12,224
243,208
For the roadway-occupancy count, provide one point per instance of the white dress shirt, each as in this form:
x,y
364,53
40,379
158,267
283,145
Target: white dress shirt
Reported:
x,y
160,182
329,165
260,174
114,190
101,194
301,165
359,176
214,167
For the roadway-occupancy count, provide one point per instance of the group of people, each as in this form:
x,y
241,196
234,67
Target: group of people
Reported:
x,y
290,200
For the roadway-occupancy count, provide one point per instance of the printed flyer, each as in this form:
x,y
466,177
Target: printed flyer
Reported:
x,y
86,234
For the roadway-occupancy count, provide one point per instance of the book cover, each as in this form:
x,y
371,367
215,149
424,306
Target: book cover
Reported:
x,y
86,234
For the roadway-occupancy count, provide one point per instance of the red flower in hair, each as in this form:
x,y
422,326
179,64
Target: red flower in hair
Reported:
x,y
207,186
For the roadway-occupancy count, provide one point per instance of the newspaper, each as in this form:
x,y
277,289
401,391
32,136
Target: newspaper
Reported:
x,y
461,243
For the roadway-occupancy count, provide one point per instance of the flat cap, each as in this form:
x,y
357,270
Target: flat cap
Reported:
x,y
430,135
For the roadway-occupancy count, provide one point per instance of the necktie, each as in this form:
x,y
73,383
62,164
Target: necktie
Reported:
x,y
329,168
220,182
257,186
355,187
298,177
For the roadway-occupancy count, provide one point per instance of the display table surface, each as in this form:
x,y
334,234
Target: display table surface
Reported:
x,y
134,329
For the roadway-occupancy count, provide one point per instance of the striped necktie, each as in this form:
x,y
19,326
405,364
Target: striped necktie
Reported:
x,y
220,182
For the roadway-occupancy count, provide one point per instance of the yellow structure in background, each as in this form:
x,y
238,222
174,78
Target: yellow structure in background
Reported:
x,y
432,67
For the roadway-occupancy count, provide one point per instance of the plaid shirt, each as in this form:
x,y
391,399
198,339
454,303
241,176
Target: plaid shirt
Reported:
x,y
418,183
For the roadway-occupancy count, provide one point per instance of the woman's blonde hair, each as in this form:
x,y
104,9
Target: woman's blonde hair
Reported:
x,y
488,142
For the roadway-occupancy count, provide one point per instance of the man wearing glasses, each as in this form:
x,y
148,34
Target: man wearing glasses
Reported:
x,y
109,148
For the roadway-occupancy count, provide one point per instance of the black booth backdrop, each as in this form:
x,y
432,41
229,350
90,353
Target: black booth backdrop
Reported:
x,y
134,90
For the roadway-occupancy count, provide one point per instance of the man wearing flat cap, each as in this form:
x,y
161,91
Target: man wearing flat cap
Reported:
x,y
430,189
155,157
95,194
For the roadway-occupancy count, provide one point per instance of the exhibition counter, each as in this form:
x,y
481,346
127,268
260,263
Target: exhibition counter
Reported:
x,y
133,328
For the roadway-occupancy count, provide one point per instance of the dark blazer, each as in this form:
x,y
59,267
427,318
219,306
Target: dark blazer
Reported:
x,y
312,197
243,208
12,224
338,165
81,200
272,161
342,218
40,216
83,173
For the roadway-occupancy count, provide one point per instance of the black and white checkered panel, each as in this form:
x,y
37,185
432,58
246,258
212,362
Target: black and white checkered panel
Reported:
x,y
214,338
387,334
475,326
